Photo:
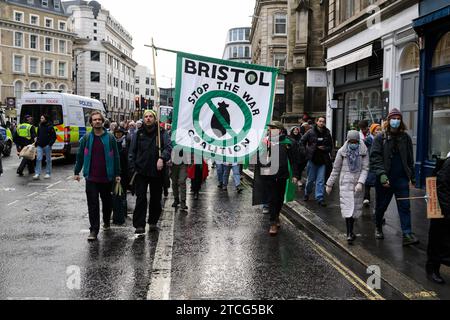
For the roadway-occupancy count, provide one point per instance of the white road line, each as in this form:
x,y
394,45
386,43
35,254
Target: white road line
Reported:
x,y
12,203
38,184
32,194
55,184
162,264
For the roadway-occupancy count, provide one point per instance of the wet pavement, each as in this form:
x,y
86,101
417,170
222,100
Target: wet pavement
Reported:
x,y
220,249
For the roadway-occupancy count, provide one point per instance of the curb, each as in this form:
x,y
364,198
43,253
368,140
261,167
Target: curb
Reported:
x,y
407,286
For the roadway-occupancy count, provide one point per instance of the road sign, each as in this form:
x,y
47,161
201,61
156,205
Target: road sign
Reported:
x,y
222,107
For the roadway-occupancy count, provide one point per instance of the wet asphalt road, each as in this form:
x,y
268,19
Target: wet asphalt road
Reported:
x,y
220,249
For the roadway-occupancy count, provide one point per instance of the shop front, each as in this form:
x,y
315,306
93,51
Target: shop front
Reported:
x,y
434,104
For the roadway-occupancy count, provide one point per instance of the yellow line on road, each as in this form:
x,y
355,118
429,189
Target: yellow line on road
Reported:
x,y
346,272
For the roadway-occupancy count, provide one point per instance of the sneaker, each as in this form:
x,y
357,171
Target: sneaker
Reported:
x,y
106,227
140,231
239,189
36,177
225,188
184,207
176,203
409,240
153,228
92,236
47,176
266,211
20,174
366,203
435,277
220,186
379,235
351,238
273,231
322,204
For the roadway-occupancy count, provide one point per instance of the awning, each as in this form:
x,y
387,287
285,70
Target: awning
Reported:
x,y
349,58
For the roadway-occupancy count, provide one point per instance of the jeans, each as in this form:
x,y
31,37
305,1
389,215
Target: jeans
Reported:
x,y
220,169
93,191
400,188
48,158
316,176
236,175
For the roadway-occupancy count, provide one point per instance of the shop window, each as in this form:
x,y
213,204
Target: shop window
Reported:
x,y
340,76
440,128
410,58
350,74
442,53
363,69
362,105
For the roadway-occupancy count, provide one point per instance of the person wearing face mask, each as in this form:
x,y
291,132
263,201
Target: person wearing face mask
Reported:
x,y
352,165
375,129
392,160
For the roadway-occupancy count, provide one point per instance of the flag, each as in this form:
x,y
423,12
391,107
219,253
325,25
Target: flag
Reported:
x,y
222,107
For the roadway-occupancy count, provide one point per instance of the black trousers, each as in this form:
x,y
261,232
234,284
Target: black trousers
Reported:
x,y
140,212
438,244
93,191
277,199
26,163
197,182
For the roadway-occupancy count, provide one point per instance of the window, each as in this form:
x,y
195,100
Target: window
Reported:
x,y
440,128
95,56
55,112
247,34
48,67
235,52
247,52
34,20
280,24
95,95
147,92
18,39
57,4
279,60
18,89
147,80
442,53
347,9
34,65
137,91
137,80
18,64
48,86
410,58
18,16
241,34
34,41
48,23
48,44
63,88
45,3
62,26
241,52
62,67
62,46
95,76
34,85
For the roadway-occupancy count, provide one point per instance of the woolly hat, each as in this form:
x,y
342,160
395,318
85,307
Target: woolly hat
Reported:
x,y
152,112
395,112
276,125
374,127
353,135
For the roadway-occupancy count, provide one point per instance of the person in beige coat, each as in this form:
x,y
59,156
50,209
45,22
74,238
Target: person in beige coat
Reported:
x,y
352,165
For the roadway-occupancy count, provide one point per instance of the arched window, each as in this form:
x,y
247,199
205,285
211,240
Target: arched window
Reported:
x,y
34,85
410,58
48,86
63,88
442,53
18,89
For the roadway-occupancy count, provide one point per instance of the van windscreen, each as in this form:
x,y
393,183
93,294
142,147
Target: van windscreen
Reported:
x,y
37,110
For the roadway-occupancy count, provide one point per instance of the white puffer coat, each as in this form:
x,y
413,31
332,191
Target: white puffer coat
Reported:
x,y
351,201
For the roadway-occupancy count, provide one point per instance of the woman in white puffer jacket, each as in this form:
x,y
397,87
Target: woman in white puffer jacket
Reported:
x,y
352,165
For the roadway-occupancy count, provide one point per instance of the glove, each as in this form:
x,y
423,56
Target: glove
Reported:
x,y
359,187
328,190
384,179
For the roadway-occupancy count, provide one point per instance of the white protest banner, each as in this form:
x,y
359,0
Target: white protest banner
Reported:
x,y
221,107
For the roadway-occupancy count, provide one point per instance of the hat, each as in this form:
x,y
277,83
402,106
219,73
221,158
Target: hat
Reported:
x,y
353,135
152,112
276,125
395,112
27,116
374,127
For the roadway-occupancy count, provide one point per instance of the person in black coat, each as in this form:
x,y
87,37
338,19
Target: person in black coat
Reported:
x,y
147,161
439,234
46,138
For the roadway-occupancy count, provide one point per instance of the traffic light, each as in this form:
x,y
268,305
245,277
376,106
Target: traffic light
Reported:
x,y
152,103
146,103
137,102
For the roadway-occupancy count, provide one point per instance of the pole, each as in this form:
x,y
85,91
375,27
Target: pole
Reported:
x,y
156,99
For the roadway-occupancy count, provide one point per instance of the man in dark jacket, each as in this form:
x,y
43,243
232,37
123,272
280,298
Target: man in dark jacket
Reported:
x,y
318,144
392,160
24,136
272,174
147,157
46,137
439,235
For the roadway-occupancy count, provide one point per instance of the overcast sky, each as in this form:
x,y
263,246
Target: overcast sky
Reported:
x,y
194,26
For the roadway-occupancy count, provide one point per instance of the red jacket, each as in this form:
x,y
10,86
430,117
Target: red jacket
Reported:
x,y
191,171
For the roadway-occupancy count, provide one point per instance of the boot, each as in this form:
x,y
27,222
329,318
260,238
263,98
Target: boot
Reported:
x,y
433,274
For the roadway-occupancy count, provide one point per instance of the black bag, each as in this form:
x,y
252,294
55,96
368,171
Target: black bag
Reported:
x,y
119,205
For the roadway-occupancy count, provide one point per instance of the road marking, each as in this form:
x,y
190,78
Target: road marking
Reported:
x,y
37,184
162,264
12,203
347,273
32,194
55,184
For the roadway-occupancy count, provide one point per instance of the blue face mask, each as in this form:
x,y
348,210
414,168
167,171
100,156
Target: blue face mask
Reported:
x,y
353,146
395,123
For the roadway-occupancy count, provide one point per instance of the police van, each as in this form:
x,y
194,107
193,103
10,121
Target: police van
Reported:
x,y
69,114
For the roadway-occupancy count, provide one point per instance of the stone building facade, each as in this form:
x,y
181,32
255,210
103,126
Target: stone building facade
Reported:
x,y
35,47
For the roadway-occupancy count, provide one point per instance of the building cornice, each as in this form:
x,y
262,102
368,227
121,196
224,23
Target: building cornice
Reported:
x,y
62,14
112,48
359,22
30,28
127,41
